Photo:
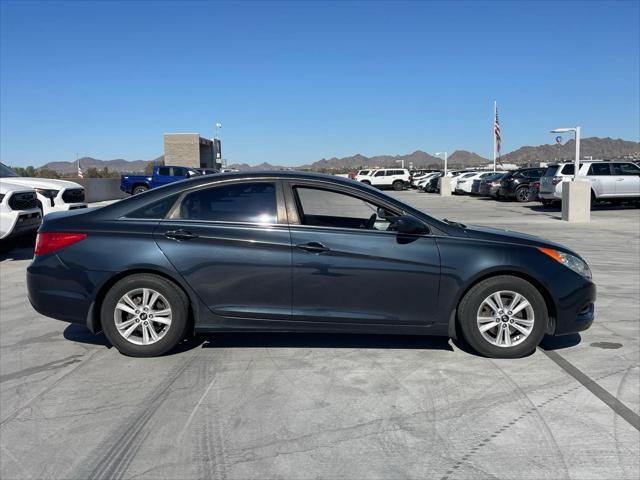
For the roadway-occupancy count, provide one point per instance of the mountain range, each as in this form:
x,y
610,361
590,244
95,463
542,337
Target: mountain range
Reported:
x,y
595,147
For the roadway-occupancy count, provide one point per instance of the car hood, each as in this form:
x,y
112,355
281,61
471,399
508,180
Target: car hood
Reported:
x,y
509,236
48,183
13,187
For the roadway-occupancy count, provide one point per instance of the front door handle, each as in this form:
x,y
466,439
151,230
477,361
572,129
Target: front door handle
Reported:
x,y
315,247
180,235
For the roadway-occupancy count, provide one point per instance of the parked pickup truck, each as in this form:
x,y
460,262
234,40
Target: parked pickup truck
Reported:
x,y
135,184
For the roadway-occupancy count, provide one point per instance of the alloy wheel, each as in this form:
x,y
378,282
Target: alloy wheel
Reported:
x,y
142,316
523,194
505,318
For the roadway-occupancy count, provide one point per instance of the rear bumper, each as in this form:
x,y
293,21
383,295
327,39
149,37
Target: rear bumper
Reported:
x,y
57,291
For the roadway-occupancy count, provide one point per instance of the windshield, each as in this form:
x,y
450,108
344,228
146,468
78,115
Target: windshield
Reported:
x,y
6,171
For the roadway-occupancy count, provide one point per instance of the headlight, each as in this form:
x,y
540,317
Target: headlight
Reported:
x,y
574,263
47,193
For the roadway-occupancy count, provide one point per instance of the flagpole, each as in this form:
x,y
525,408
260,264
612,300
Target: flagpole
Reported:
x,y
495,110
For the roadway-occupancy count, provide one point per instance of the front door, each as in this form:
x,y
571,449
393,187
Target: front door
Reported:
x,y
229,245
348,268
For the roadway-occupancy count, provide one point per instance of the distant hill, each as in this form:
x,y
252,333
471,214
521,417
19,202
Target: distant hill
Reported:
x,y
604,148
595,147
117,165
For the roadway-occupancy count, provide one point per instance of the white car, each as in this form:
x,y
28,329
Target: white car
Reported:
x,y
19,212
53,195
464,182
362,174
396,178
422,181
610,180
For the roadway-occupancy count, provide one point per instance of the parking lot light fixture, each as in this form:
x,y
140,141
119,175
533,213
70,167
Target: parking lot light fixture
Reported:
x,y
576,130
437,154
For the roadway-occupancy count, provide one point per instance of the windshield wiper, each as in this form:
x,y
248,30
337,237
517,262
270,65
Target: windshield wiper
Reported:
x,y
455,224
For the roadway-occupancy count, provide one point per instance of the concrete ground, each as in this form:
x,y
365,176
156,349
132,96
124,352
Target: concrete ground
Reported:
x,y
247,406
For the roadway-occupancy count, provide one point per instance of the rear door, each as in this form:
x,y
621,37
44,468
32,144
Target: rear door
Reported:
x,y
348,269
164,175
602,183
231,243
627,177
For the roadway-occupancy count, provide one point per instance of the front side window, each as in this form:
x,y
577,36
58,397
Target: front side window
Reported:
x,y
180,172
599,169
625,169
380,173
6,171
328,208
244,203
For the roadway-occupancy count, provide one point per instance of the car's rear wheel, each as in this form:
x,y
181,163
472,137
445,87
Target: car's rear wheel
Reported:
x,y
503,317
140,189
398,185
522,194
144,315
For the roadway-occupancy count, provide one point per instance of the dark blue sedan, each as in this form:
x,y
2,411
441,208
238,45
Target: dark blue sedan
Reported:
x,y
299,252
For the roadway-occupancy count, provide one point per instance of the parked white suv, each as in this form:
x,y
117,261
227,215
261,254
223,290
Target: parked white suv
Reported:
x,y
19,212
362,175
396,178
610,180
53,195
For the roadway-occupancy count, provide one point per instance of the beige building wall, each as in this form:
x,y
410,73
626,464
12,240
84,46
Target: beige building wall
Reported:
x,y
189,150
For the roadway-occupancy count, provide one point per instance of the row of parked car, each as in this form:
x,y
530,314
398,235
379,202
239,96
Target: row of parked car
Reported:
x,y
25,200
611,181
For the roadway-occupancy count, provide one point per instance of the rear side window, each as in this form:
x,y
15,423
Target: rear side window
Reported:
x,y
164,171
551,171
568,169
157,209
599,169
625,169
244,202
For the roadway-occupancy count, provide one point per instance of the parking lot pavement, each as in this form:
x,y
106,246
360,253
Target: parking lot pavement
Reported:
x,y
249,406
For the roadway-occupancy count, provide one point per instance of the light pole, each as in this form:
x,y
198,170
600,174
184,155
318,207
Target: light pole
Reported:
x,y
576,195
401,162
576,130
445,182
437,154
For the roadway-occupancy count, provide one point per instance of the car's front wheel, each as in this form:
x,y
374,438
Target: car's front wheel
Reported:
x,y
503,317
144,315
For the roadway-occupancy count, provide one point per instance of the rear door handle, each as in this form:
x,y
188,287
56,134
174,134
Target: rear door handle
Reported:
x,y
180,235
315,247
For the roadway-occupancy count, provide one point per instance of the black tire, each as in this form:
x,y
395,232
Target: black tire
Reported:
x,y
470,304
366,182
547,203
139,189
522,194
398,185
178,302
594,200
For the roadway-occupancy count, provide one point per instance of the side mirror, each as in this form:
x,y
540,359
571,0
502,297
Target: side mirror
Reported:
x,y
408,225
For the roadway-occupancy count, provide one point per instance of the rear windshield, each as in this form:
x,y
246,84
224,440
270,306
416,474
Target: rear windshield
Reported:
x,y
551,171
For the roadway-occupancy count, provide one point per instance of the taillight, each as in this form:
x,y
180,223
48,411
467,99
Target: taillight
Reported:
x,y
556,180
49,242
536,185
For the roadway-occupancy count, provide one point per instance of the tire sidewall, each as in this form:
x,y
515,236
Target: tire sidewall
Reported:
x,y
179,312
138,190
467,316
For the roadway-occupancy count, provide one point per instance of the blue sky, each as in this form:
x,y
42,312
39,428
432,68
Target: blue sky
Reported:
x,y
293,82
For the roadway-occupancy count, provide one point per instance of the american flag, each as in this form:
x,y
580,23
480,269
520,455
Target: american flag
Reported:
x,y
496,129
80,174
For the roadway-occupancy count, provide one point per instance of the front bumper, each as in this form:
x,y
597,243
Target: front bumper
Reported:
x,y
17,223
576,312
